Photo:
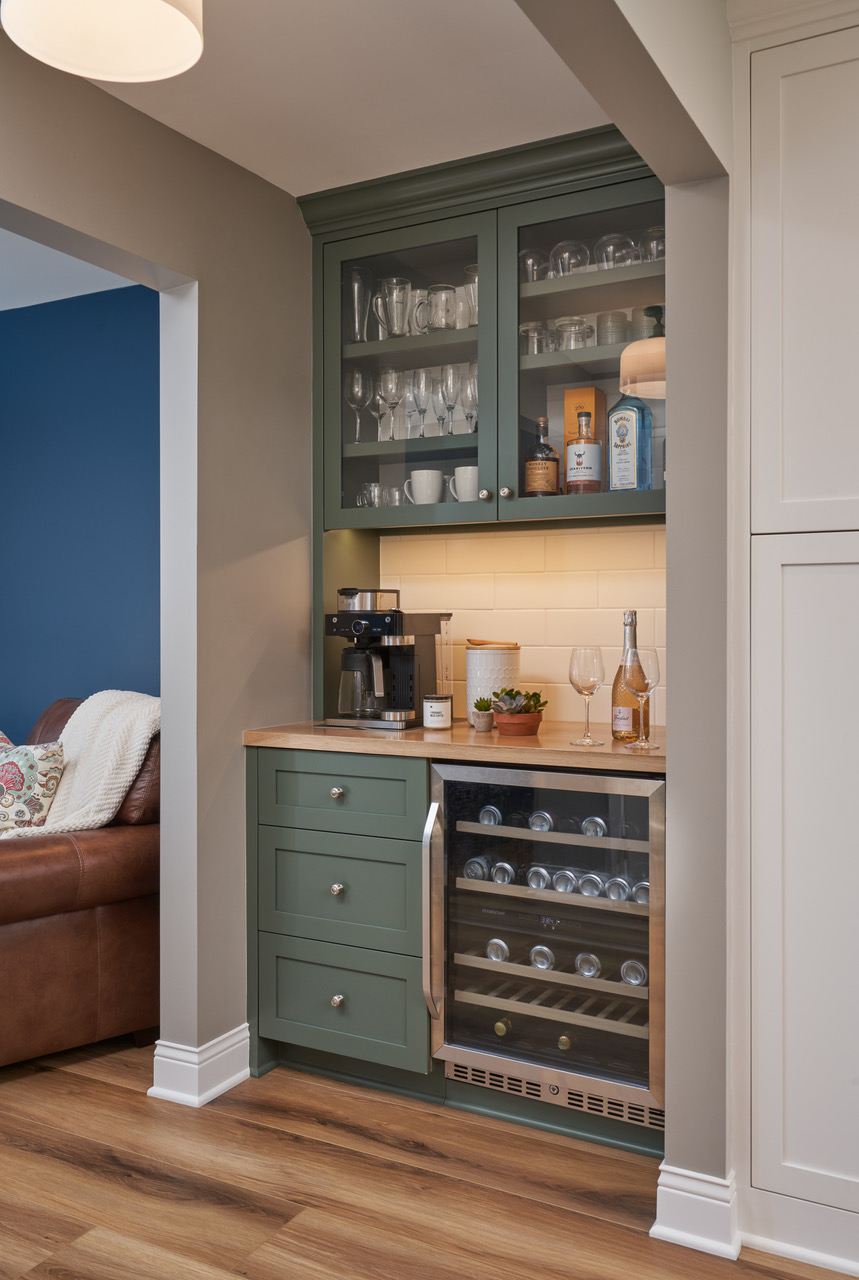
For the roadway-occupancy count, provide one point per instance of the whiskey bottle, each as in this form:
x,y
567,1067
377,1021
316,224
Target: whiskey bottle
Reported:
x,y
624,705
584,459
542,466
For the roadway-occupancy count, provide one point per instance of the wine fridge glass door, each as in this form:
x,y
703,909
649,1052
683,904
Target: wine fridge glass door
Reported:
x,y
551,962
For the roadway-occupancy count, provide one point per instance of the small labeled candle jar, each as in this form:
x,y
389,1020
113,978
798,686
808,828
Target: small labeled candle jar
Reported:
x,y
438,711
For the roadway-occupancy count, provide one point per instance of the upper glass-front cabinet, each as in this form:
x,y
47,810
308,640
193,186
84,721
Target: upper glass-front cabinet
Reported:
x,y
582,278
410,375
474,366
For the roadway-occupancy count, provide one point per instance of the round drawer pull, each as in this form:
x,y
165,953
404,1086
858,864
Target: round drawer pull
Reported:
x,y
337,1001
506,492
485,495
337,793
336,889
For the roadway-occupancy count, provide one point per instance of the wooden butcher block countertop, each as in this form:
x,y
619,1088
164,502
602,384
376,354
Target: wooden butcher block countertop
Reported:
x,y
551,747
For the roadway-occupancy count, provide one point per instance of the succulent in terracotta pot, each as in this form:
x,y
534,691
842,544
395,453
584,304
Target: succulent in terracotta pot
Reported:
x,y
516,713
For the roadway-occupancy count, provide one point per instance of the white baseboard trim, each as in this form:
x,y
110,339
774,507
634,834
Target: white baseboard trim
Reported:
x,y
194,1077
697,1211
849,1266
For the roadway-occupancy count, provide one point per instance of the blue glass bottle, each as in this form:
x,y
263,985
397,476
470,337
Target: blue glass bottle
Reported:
x,y
629,436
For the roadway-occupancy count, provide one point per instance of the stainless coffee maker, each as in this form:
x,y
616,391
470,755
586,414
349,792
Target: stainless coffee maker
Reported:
x,y
391,659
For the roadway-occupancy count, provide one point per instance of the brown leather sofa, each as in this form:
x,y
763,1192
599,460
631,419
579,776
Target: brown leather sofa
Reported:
x,y
79,922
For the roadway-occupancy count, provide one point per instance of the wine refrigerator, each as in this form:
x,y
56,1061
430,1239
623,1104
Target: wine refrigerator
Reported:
x,y
545,900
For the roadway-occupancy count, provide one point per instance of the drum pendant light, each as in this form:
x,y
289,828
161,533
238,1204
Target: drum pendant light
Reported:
x,y
121,40
642,364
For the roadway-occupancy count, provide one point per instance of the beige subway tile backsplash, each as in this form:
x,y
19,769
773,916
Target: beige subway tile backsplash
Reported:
x,y
411,555
640,589
480,555
546,589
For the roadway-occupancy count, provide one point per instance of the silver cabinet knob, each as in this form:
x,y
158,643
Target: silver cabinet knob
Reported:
x,y
337,793
336,888
337,1001
485,495
506,492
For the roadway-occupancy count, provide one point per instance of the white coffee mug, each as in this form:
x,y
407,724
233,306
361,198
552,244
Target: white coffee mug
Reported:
x,y
424,486
463,485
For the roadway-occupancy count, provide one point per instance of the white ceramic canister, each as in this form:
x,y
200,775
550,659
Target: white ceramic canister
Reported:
x,y
488,668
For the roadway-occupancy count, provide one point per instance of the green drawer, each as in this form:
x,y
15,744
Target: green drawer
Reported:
x,y
378,906
381,795
382,1016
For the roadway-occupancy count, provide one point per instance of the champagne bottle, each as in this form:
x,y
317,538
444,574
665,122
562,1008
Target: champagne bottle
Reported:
x,y
624,705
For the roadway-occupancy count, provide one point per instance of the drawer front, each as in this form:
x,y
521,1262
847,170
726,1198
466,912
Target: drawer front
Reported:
x,y
373,795
381,1018
378,903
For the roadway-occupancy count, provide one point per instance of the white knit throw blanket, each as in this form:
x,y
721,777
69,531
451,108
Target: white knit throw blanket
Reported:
x,y
104,743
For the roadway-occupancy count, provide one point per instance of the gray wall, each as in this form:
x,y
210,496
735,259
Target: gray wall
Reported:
x,y
138,198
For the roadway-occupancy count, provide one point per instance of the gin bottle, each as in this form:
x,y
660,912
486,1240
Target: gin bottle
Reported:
x,y
629,436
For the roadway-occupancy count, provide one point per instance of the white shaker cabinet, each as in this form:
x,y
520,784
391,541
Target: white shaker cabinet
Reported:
x,y
805,867
805,285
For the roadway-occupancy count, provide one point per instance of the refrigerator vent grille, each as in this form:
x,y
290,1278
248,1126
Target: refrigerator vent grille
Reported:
x,y
633,1112
592,1103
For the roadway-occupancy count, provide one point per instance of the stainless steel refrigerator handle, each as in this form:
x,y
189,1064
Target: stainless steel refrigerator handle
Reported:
x,y
426,970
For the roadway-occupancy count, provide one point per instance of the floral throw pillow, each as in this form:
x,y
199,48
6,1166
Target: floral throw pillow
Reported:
x,y
29,777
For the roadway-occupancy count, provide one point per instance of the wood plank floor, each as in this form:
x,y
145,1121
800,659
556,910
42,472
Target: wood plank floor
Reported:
x,y
292,1177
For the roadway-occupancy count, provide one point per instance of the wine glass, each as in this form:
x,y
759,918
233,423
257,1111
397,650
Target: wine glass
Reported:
x,y
409,404
468,400
421,384
640,675
438,405
392,386
451,380
358,390
587,674
378,406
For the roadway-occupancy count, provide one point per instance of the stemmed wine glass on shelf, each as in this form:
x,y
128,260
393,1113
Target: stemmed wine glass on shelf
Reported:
x,y
378,406
468,400
392,386
422,381
640,675
439,407
587,674
358,390
451,380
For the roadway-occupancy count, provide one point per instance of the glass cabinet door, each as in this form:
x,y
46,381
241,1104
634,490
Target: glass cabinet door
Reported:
x,y
410,375
580,279
552,937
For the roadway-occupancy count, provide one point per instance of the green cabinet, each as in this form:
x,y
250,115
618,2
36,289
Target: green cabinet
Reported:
x,y
440,340
335,906
335,791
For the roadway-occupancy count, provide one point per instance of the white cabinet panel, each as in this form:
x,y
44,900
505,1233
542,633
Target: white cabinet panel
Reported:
x,y
805,285
805,866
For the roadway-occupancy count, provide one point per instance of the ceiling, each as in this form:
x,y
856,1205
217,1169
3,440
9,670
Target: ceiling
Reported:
x,y
312,94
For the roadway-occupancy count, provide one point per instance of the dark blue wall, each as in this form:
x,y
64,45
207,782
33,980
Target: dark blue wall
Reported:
x,y
79,493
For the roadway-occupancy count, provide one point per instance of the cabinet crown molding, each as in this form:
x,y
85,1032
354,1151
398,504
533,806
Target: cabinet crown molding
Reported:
x,y
546,168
